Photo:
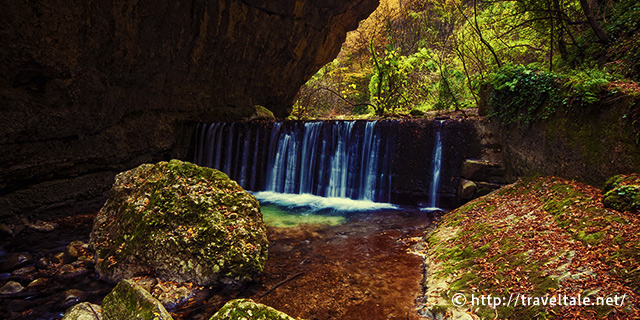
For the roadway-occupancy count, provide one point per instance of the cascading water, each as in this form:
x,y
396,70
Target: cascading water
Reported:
x,y
346,159
436,164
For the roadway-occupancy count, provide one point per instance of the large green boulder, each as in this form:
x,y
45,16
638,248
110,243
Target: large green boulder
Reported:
x,y
622,193
83,311
179,222
243,309
130,301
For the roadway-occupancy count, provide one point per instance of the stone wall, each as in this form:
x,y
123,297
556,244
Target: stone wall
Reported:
x,y
88,89
588,144
412,166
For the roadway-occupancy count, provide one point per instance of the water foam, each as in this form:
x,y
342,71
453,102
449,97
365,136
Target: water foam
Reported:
x,y
316,203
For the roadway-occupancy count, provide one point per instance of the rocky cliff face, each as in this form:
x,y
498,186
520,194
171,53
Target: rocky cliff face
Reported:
x,y
88,89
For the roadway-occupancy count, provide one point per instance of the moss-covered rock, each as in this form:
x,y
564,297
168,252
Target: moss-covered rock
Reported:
x,y
248,309
262,113
622,193
130,301
179,222
84,311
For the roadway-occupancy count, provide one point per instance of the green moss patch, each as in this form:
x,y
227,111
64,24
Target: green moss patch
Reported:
x,y
244,309
130,301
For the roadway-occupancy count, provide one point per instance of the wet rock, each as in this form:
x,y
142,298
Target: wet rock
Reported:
x,y
11,288
24,274
485,188
6,229
130,301
15,261
248,309
622,193
58,258
72,297
42,226
181,222
73,251
39,284
43,263
174,295
466,189
68,271
84,311
261,113
146,282
480,170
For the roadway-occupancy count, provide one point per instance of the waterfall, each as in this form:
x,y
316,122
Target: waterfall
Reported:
x,y
436,164
346,159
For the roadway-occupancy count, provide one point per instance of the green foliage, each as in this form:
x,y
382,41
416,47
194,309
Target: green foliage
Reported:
x,y
524,94
434,55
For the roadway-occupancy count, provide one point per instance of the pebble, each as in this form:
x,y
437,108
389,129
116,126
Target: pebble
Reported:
x,y
173,295
148,283
24,274
39,284
11,288
68,271
15,261
43,263
72,297
42,226
58,258
73,251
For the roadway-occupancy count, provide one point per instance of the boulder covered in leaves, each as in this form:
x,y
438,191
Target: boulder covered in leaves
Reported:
x,y
622,193
179,222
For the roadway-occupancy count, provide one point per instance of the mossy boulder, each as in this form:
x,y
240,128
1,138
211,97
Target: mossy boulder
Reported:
x,y
622,193
179,222
84,311
130,301
262,113
248,309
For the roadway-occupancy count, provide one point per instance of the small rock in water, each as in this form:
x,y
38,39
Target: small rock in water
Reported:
x,y
6,229
146,282
38,285
58,258
130,301
24,274
11,288
69,272
43,263
73,251
72,297
174,295
84,311
42,226
16,261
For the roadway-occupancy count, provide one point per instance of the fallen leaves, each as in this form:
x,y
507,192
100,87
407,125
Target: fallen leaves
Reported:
x,y
547,228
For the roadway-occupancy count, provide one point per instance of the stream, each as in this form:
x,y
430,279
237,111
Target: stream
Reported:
x,y
324,264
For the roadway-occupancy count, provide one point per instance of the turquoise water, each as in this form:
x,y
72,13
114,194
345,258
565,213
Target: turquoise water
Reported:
x,y
291,210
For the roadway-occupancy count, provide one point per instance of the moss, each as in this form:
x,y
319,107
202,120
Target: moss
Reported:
x,y
130,301
243,309
183,221
623,198
438,310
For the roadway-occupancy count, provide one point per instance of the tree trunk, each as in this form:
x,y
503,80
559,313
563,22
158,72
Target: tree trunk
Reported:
x,y
602,36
